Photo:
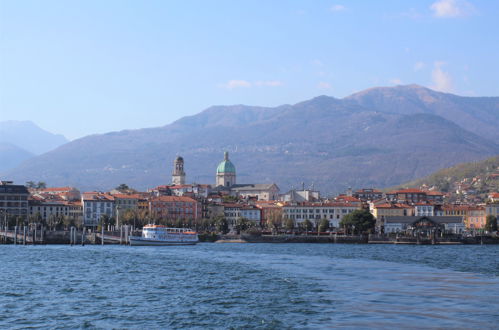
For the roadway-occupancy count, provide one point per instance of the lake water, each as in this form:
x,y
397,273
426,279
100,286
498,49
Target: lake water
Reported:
x,y
249,286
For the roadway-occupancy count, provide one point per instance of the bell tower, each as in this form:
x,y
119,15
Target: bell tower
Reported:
x,y
178,175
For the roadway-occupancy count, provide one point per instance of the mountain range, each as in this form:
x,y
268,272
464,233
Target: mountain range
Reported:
x,y
375,138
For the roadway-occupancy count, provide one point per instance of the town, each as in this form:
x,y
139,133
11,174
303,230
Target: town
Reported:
x,y
228,207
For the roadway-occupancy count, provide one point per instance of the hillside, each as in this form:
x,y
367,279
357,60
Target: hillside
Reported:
x,y
480,178
11,156
331,143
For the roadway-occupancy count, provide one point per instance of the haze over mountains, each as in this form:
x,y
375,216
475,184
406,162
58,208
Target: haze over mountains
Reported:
x,y
21,140
379,137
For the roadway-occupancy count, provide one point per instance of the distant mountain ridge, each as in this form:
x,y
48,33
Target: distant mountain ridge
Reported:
x,y
21,140
380,137
30,137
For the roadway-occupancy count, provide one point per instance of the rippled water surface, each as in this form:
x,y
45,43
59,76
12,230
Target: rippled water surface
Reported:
x,y
249,286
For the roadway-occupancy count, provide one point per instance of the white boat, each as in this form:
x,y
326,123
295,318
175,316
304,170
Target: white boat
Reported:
x,y
161,235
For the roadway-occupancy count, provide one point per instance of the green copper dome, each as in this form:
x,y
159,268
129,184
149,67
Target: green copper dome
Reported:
x,y
226,166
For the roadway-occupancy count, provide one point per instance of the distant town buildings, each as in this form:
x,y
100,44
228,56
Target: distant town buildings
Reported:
x,y
258,203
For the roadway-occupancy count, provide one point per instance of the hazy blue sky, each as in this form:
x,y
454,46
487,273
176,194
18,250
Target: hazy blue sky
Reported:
x,y
83,67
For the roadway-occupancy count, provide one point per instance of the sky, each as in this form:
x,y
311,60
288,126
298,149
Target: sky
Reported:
x,y
87,67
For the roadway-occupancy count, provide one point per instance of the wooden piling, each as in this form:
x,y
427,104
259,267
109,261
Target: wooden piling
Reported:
x,y
15,235
102,236
24,235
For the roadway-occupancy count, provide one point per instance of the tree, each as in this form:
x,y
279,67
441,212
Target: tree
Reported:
x,y
242,224
307,225
31,184
358,221
123,187
324,225
289,224
491,223
221,224
41,185
274,219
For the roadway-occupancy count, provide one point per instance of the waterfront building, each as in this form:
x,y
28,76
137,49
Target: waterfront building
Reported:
x,y
226,173
399,224
334,212
49,207
95,205
174,207
178,175
232,212
476,218
14,199
252,213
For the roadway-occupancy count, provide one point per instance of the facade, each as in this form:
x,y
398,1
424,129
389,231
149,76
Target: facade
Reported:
x,y
178,175
14,199
226,173
95,205
314,212
175,207
190,190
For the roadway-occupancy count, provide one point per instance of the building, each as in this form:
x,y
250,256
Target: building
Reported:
x,y
174,207
334,212
368,194
298,196
49,209
66,193
380,211
476,218
123,202
226,173
261,191
14,199
399,224
423,209
406,196
252,213
178,175
492,209
95,205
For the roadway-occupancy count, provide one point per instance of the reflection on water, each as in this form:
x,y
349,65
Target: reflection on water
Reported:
x,y
249,285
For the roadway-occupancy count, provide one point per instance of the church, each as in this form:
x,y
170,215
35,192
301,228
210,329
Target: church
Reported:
x,y
225,180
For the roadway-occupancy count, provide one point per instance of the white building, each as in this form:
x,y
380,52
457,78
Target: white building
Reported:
x,y
334,212
95,205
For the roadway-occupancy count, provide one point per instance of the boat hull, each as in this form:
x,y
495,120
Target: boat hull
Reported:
x,y
139,241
